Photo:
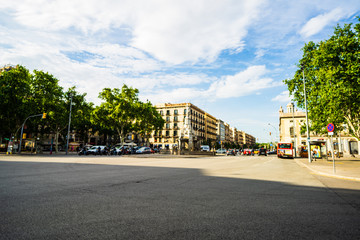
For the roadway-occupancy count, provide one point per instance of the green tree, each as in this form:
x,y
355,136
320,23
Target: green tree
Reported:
x,y
48,97
148,119
81,113
118,111
332,76
15,95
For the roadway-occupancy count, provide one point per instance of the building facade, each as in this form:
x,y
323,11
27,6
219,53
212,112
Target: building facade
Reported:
x,y
188,126
210,128
291,122
182,120
220,131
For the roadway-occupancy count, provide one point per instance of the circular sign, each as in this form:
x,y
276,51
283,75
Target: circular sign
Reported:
x,y
330,127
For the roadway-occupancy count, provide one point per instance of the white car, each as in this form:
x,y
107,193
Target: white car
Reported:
x,y
94,150
144,150
221,151
205,148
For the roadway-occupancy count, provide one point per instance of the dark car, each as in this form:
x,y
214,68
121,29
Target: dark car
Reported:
x,y
262,151
230,152
271,152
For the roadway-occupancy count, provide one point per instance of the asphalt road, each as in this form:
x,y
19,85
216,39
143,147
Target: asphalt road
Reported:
x,y
172,198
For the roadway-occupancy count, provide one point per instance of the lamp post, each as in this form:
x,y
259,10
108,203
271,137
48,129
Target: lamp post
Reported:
x,y
22,128
271,138
306,113
68,133
294,126
274,128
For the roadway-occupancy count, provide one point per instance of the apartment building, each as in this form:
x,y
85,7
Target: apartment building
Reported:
x,y
249,140
190,126
227,133
184,121
220,131
210,128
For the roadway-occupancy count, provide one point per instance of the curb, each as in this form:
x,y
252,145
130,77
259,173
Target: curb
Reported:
x,y
327,174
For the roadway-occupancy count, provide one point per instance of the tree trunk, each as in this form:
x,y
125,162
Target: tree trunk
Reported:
x,y
56,142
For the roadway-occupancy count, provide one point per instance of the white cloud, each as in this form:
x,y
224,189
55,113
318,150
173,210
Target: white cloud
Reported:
x,y
242,83
171,31
247,82
316,24
282,97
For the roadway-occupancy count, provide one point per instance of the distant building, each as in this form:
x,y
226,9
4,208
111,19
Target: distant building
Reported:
x,y
190,126
220,131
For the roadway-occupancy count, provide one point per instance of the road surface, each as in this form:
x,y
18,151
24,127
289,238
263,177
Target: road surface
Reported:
x,y
150,197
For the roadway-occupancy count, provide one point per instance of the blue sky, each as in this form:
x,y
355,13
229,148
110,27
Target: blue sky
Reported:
x,y
228,57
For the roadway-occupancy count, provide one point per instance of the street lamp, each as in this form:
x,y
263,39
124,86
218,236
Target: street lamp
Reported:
x,y
294,126
306,112
68,133
274,128
43,115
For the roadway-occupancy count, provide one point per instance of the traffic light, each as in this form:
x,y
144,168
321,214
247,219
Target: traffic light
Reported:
x,y
44,115
24,136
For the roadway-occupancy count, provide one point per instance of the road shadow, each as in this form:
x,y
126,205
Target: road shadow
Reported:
x,y
85,201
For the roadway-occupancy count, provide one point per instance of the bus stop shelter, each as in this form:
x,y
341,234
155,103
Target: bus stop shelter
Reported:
x,y
318,149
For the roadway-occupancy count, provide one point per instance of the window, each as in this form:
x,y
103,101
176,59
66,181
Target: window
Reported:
x,y
167,112
291,131
167,133
175,118
161,112
184,111
175,133
168,119
175,125
167,125
176,112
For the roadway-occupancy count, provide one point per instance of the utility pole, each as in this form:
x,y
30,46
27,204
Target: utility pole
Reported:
x,y
294,127
307,119
68,132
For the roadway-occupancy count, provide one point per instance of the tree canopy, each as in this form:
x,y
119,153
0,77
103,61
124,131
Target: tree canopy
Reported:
x,y
332,79
25,94
123,112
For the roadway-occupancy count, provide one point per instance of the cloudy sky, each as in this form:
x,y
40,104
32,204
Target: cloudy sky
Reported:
x,y
228,57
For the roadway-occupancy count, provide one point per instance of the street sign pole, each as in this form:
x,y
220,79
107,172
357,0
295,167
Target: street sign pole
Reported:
x,y
330,127
332,149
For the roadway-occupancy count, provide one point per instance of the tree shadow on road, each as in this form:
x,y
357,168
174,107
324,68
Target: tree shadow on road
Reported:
x,y
85,201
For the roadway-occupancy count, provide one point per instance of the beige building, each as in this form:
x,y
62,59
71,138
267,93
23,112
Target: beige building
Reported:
x,y
291,122
248,139
210,128
227,133
182,120
190,126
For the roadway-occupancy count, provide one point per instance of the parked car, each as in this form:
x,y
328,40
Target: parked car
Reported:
x,y
271,152
221,151
230,152
97,150
262,151
247,152
143,150
256,151
205,148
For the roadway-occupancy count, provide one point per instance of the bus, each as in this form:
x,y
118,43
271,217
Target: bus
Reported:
x,y
285,150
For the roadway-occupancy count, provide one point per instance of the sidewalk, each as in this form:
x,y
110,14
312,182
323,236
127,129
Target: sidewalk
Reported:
x,y
345,168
